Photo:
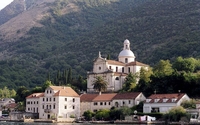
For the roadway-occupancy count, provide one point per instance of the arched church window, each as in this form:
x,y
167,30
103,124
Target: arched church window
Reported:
x,y
117,78
126,60
126,46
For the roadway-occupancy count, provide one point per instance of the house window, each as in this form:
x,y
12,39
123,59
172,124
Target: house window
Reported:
x,y
123,69
50,91
42,106
73,99
34,102
28,109
117,78
28,102
37,102
43,99
104,103
31,102
54,99
123,103
129,69
101,103
95,103
47,99
129,101
65,107
99,68
110,67
65,99
94,110
54,106
109,103
116,69
126,60
47,91
155,109
49,106
50,99
73,107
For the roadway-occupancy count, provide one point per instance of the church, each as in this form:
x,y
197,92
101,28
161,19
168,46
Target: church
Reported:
x,y
112,71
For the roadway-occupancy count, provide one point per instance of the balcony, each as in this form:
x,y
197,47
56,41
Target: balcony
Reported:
x,y
47,110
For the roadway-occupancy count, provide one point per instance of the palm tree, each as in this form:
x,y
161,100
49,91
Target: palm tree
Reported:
x,y
100,84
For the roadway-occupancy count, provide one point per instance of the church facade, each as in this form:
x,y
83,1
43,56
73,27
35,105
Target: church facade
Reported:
x,y
112,71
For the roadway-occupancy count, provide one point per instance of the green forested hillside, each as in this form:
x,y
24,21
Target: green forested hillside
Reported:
x,y
156,29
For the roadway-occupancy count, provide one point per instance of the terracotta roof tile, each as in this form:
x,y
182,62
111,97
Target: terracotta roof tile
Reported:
x,y
64,91
168,97
87,97
131,95
136,63
104,97
11,105
113,62
35,95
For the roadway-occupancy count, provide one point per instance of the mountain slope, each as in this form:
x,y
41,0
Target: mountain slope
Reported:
x,y
72,32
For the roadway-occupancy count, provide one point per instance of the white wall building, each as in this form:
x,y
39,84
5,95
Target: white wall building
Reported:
x,y
114,72
58,102
95,102
163,102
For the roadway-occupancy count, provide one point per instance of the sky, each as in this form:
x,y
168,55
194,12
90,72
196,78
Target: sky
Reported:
x,y
4,3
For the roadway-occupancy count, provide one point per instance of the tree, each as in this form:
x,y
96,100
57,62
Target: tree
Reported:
x,y
189,104
88,115
187,64
175,114
102,114
163,68
130,82
99,84
46,85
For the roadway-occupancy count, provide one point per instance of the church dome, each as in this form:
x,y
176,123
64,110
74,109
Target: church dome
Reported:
x,y
128,53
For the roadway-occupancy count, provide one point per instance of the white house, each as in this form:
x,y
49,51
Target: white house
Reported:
x,y
114,72
163,102
128,99
95,102
59,102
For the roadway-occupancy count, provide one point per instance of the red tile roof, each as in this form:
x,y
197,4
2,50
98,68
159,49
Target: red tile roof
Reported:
x,y
104,97
35,95
87,97
136,63
11,105
64,91
131,95
113,62
107,96
169,97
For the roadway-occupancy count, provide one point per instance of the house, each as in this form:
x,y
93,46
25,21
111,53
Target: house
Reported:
x,y
128,99
114,72
163,102
6,101
57,102
95,102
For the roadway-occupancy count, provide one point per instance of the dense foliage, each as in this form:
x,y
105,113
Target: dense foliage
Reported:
x,y
166,77
156,29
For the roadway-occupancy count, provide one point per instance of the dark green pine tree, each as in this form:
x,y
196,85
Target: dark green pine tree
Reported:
x,y
69,78
108,57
